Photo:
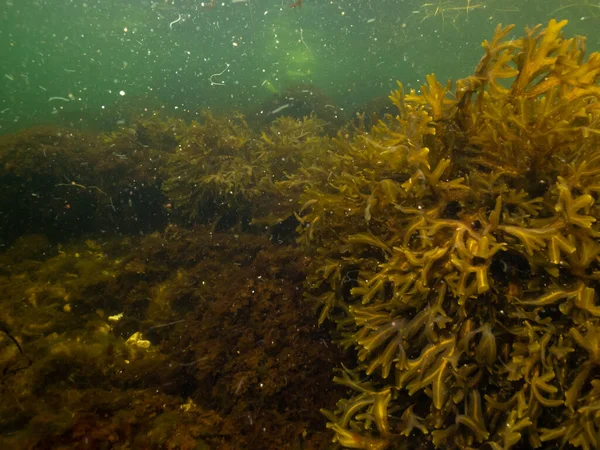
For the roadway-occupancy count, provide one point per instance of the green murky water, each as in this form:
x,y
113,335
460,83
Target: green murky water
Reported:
x,y
84,60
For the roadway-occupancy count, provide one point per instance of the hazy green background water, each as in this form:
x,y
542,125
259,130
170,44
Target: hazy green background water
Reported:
x,y
100,55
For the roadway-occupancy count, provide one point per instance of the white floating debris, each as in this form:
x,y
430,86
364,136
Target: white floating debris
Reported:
x,y
281,108
175,21
62,99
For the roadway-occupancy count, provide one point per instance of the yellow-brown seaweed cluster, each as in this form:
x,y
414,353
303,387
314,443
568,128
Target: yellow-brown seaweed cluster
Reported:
x,y
456,249
223,171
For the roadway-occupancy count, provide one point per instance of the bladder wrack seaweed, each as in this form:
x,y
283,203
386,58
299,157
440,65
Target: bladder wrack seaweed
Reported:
x,y
455,248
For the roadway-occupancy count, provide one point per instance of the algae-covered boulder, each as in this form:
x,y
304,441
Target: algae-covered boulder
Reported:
x,y
65,182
